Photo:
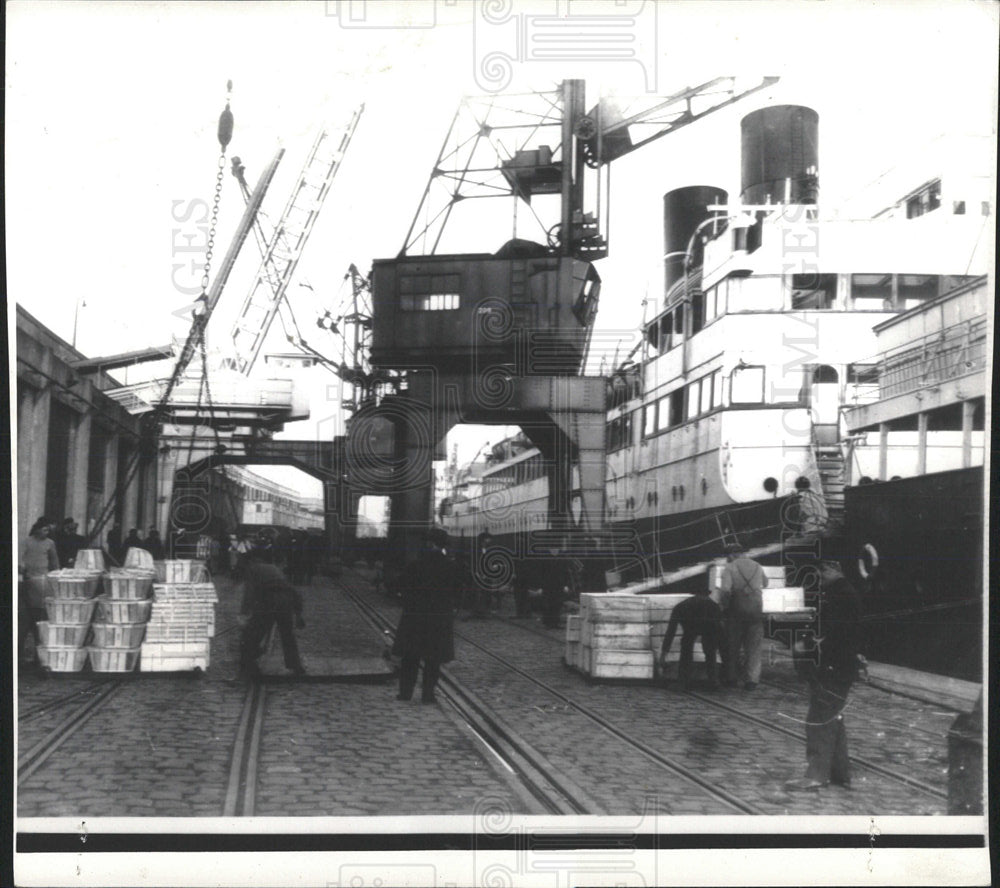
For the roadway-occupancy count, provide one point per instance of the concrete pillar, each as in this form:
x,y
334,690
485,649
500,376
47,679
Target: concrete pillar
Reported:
x,y
79,462
32,457
110,481
968,409
883,451
921,443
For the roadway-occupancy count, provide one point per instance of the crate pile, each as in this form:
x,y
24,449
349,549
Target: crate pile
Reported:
x,y
69,607
610,637
182,623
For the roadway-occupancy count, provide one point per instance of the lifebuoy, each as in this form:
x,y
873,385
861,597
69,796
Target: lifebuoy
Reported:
x,y
869,554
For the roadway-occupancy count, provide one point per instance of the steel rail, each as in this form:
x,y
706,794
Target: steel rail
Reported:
x,y
654,755
862,762
556,792
35,757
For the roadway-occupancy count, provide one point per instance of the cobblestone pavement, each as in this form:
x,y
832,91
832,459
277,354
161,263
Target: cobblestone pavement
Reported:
x,y
162,746
748,760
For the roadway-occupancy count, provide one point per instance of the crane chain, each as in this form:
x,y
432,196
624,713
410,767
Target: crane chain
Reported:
x,y
215,218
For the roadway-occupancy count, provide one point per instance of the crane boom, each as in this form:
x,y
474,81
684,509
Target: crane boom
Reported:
x,y
284,249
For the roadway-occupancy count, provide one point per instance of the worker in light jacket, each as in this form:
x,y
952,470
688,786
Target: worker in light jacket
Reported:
x,y
38,557
741,591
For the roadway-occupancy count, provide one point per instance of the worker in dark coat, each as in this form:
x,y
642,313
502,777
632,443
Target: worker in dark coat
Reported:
x,y
556,580
68,543
830,667
268,600
430,589
697,617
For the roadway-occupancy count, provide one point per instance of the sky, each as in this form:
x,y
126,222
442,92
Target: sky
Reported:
x,y
111,113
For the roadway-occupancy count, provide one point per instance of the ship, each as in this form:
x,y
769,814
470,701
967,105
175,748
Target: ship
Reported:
x,y
728,422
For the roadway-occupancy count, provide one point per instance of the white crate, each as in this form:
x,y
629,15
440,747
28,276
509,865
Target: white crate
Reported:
x,y
122,610
619,636
70,635
113,659
70,610
573,627
183,570
786,598
138,557
573,653
186,592
775,575
118,635
622,664
160,631
62,659
174,656
128,583
70,583
585,658
674,654
89,559
183,611
611,607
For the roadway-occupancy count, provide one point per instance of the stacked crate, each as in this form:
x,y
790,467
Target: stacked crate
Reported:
x,y
613,636
69,609
122,612
182,623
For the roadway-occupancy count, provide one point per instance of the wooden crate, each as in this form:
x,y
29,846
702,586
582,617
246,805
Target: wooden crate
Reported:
x,y
619,636
613,608
674,654
622,664
586,658
573,627
573,654
174,656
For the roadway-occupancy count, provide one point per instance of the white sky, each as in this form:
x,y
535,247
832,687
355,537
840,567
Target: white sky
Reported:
x,y
111,113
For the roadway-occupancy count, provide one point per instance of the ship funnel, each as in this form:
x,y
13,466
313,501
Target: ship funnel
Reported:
x,y
780,159
684,209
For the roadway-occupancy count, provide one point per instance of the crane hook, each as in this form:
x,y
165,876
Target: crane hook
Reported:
x,y
226,121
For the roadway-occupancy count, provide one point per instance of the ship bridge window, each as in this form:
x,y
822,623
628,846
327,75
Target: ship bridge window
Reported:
x,y
693,399
871,291
746,385
927,199
697,311
916,288
648,420
813,290
620,432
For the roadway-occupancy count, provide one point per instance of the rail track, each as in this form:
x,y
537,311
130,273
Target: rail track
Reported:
x,y
861,761
103,691
501,736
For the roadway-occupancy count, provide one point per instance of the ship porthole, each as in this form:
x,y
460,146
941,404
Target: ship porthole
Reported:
x,y
771,484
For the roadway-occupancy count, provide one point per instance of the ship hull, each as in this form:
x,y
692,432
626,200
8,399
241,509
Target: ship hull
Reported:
x,y
924,603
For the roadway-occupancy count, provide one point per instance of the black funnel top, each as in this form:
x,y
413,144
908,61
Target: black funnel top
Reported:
x,y
684,209
780,159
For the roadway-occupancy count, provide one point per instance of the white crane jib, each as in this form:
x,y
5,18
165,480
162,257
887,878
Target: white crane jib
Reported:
x,y
282,252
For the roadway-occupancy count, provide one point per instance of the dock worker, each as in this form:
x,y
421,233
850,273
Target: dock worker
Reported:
x,y
830,666
742,592
38,557
68,543
425,635
697,617
268,600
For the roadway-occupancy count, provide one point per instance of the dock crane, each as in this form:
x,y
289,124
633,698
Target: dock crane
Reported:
x,y
503,337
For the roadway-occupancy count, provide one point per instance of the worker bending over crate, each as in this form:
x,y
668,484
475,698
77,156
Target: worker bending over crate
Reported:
x,y
268,600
